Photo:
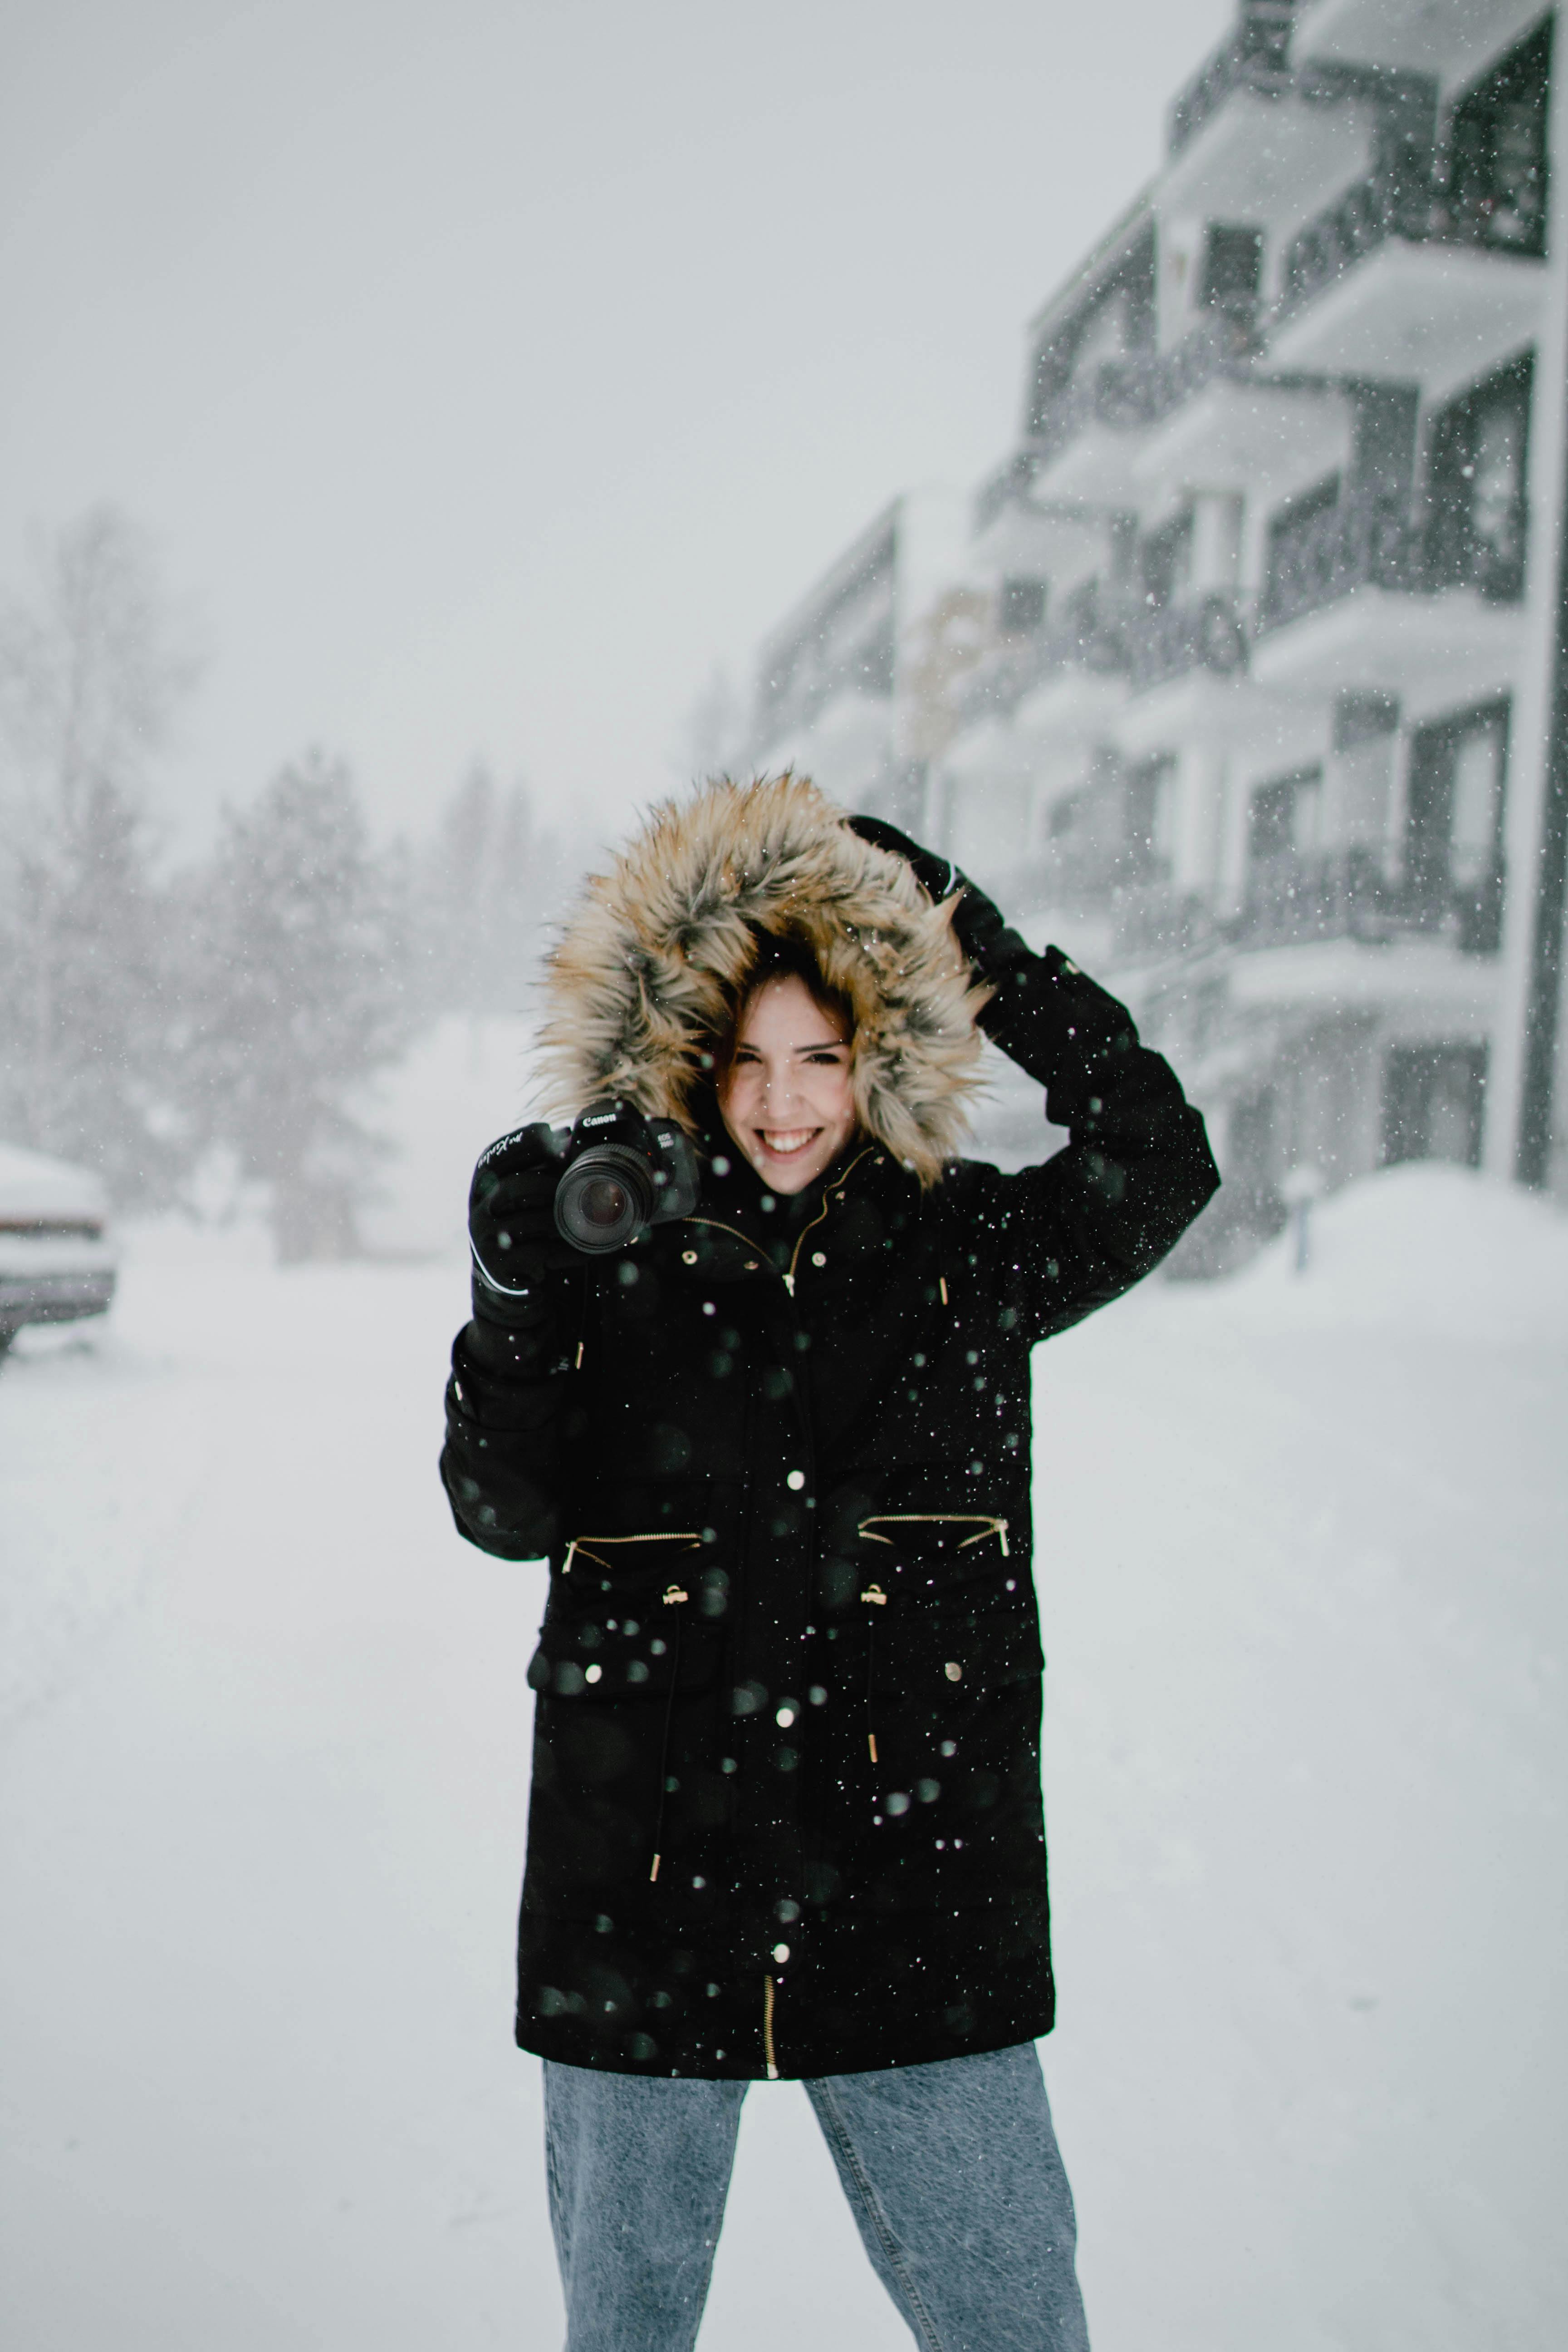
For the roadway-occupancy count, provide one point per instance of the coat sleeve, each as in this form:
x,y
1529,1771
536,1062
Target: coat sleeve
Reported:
x,y
1084,1225
509,1409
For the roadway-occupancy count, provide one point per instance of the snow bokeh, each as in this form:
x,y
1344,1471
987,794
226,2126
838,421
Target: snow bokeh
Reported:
x,y
264,1756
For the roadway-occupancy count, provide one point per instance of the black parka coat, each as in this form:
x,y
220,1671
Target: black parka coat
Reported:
x,y
786,1813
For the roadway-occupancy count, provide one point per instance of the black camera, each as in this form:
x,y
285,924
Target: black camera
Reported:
x,y
591,1186
623,1171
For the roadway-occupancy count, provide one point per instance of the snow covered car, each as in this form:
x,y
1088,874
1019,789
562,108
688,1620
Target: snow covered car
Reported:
x,y
56,1261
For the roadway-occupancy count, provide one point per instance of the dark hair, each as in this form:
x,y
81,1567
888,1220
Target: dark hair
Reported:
x,y
778,957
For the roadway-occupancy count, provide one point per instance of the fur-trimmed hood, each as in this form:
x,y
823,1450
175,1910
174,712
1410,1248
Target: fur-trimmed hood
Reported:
x,y
656,948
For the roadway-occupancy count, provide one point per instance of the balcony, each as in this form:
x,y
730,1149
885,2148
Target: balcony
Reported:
x,y
1197,633
1291,900
1088,640
1250,138
1363,541
1453,39
1392,281
1359,594
1255,58
1152,922
1085,444
1239,428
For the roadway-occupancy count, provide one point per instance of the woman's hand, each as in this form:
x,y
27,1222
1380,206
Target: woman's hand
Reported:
x,y
511,1219
996,953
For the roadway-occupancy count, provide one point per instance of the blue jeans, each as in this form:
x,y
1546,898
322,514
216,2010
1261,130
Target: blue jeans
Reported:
x,y
952,2173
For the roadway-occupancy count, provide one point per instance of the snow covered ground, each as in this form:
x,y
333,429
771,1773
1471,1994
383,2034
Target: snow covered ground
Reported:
x,y
262,1781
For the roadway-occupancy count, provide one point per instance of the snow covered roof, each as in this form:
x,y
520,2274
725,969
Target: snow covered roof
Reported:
x,y
33,1185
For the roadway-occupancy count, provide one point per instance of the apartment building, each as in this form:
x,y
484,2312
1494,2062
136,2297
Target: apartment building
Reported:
x,y
1246,685
854,687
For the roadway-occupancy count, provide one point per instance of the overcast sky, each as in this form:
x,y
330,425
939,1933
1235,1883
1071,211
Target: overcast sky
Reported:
x,y
485,373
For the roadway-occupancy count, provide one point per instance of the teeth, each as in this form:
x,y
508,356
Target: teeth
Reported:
x,y
790,1139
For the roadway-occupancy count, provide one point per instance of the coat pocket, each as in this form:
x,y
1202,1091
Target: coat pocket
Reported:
x,y
951,1804
621,1733
932,1552
627,1622
616,1555
924,1657
954,1532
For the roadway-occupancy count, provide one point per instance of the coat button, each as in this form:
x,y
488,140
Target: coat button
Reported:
x,y
796,1481
817,1258
954,1671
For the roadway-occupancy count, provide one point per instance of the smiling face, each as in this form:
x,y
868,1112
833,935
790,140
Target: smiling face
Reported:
x,y
786,1097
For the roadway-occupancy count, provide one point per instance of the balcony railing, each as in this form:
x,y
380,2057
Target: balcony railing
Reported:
x,y
1192,633
1150,917
1403,202
1256,57
1007,487
1367,540
1141,389
997,685
1349,896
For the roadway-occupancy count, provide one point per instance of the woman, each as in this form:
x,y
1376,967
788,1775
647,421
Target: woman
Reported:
x,y
785,1816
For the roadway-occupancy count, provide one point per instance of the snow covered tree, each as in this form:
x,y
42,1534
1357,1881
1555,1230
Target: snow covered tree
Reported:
x,y
490,881
89,994
301,969
89,680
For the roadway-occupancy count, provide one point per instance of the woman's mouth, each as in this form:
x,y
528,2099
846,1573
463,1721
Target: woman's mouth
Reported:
x,y
783,1142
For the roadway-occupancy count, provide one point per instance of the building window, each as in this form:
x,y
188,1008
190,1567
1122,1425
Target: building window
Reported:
x,y
1284,820
1434,1103
1166,562
1454,826
1295,565
1151,808
1475,487
1232,274
1064,817
1021,607
1497,160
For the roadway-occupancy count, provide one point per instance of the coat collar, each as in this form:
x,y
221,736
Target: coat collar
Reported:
x,y
739,1229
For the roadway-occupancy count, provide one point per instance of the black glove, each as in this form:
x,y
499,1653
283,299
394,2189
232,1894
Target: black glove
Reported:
x,y
997,952
512,1220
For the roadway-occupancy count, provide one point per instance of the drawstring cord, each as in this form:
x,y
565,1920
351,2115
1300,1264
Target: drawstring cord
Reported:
x,y
673,1599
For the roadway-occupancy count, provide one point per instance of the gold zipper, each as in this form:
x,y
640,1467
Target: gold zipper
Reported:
x,y
770,2055
659,1535
717,1224
984,1523
800,1243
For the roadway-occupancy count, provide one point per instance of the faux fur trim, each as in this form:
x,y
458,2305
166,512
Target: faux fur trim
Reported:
x,y
651,957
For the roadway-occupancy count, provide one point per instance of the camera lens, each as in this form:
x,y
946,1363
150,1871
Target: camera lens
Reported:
x,y
603,1202
604,1195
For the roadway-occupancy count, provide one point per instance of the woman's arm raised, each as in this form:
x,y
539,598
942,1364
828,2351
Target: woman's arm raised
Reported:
x,y
1092,1220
